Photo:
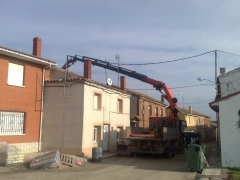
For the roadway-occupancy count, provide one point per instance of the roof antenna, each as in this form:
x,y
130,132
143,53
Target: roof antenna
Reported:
x,y
117,57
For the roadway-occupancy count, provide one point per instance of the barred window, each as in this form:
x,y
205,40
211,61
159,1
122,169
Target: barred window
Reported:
x,y
12,122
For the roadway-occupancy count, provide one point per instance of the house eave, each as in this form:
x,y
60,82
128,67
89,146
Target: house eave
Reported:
x,y
26,57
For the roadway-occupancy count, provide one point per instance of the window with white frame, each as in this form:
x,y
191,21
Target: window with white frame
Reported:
x,y
12,123
120,106
188,120
15,74
97,101
96,133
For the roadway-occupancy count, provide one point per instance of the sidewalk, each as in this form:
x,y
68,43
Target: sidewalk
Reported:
x,y
215,170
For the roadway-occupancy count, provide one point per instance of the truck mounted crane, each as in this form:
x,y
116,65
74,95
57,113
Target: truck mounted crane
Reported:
x,y
165,133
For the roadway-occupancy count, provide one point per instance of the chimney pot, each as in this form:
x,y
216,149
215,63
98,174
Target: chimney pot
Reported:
x,y
162,98
37,46
88,69
123,83
190,109
222,70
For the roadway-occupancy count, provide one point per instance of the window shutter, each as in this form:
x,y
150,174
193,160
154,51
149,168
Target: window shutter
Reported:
x,y
15,74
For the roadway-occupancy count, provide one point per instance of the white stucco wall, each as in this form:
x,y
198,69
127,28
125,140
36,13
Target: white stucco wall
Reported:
x,y
107,115
230,82
69,120
230,135
63,118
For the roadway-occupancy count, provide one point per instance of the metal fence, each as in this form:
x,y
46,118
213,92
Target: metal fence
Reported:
x,y
12,122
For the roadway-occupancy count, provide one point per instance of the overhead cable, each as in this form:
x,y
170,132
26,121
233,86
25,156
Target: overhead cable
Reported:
x,y
181,59
228,53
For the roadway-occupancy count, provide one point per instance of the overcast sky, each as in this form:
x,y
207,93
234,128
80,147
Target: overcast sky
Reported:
x,y
140,32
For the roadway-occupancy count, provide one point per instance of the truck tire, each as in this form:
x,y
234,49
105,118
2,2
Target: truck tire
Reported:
x,y
167,155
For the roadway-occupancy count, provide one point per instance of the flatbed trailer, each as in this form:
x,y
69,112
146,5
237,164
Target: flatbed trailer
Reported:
x,y
164,137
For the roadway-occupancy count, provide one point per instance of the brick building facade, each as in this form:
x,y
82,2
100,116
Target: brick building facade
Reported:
x,y
21,81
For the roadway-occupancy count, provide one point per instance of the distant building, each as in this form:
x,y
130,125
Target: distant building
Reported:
x,y
144,107
197,122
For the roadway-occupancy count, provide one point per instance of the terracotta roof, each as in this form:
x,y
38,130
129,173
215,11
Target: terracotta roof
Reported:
x,y
82,79
144,95
71,75
75,77
8,51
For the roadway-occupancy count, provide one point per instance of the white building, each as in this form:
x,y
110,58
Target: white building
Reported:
x,y
228,106
81,114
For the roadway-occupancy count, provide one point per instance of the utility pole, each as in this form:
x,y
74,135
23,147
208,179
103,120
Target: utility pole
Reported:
x,y
218,123
117,57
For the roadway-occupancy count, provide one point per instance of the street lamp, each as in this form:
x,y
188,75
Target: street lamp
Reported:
x,y
216,84
201,79
181,94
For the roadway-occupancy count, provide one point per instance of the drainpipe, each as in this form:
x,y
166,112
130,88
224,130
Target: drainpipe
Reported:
x,y
41,114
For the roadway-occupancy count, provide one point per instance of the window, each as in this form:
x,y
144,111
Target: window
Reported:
x,y
150,110
188,120
156,111
161,112
96,133
15,74
120,106
12,122
119,133
97,101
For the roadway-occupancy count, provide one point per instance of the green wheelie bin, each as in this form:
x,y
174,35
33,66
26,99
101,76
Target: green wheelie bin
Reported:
x,y
196,158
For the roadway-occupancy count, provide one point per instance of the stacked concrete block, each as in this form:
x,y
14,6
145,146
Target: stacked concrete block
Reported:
x,y
9,154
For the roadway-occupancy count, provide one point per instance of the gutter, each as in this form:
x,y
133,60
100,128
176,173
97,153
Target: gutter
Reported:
x,y
26,57
41,114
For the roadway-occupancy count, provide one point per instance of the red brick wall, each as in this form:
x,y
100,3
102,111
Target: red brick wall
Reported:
x,y
26,99
143,104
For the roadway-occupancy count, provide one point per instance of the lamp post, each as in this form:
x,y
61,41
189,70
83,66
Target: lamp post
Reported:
x,y
181,94
218,124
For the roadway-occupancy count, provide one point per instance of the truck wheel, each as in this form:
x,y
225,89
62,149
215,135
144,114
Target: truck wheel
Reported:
x,y
138,154
167,155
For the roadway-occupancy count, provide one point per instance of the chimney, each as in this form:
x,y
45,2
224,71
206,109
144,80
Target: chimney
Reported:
x,y
190,110
162,98
37,46
123,83
88,69
222,70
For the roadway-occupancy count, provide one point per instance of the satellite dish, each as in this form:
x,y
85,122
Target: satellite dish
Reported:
x,y
109,81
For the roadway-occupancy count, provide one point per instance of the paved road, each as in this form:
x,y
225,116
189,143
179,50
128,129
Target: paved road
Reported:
x,y
110,168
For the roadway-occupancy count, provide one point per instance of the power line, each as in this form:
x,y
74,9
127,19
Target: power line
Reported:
x,y
199,102
228,53
179,87
181,59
